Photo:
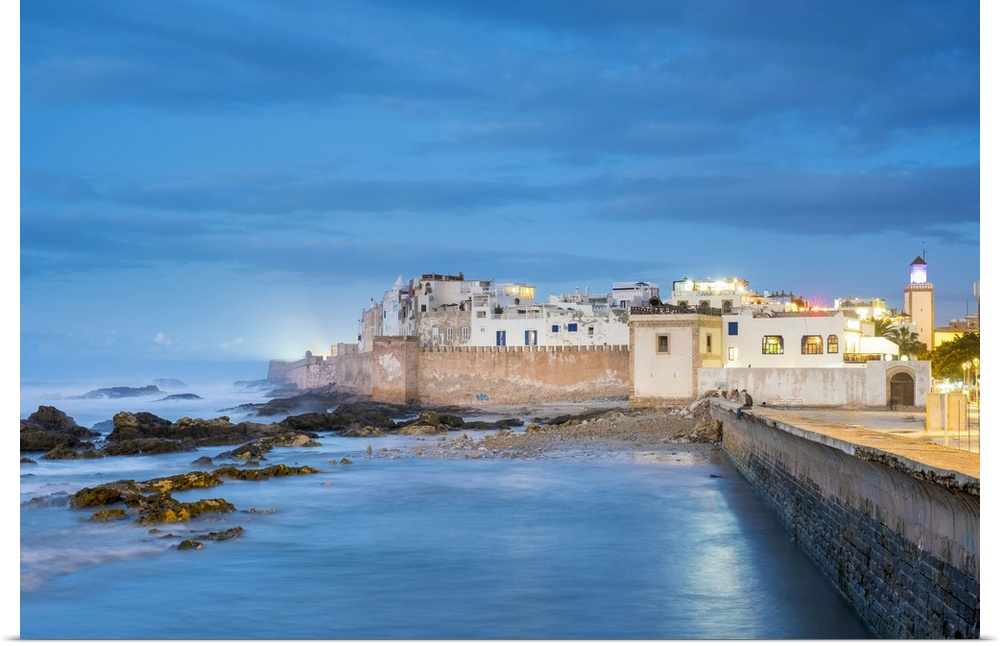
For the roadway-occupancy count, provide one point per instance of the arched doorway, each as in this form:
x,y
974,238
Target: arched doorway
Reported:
x,y
901,389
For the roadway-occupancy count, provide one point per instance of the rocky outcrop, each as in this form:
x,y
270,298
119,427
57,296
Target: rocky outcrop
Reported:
x,y
49,428
119,392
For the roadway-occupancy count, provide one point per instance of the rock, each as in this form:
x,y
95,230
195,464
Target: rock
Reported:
x,y
143,446
169,384
180,396
106,515
119,392
162,508
49,428
203,461
188,544
127,491
27,461
63,452
225,535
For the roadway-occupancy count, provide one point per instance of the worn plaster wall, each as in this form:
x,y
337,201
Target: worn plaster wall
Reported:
x,y
864,385
901,545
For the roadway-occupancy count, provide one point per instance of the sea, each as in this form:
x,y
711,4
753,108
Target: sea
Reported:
x,y
386,544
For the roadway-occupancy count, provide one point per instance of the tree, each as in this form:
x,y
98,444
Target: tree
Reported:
x,y
907,340
882,326
947,358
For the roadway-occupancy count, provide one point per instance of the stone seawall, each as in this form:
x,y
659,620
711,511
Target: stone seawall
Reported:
x,y
899,538
352,371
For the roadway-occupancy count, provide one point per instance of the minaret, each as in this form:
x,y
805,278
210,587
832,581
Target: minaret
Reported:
x,y
918,302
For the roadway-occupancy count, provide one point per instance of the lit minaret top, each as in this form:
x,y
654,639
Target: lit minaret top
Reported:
x,y
918,271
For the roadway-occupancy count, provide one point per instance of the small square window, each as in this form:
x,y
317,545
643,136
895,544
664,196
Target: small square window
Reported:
x,y
734,328
663,344
571,327
555,328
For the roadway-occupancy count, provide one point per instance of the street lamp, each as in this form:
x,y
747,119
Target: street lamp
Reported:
x,y
965,373
975,382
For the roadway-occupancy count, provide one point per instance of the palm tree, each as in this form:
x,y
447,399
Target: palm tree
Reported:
x,y
882,326
907,340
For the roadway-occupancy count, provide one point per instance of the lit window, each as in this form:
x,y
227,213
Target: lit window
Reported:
x,y
663,344
812,344
734,353
833,344
773,344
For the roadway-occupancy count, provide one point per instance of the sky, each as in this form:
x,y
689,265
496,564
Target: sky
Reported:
x,y
230,182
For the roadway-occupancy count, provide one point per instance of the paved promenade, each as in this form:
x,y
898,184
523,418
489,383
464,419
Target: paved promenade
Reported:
x,y
897,433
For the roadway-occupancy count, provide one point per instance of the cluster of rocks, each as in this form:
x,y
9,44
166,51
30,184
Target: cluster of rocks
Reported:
x,y
142,433
150,502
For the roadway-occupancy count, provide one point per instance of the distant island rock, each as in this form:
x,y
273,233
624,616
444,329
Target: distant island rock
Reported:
x,y
169,384
119,392
181,396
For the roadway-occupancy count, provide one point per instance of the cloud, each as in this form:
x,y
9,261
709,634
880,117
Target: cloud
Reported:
x,y
163,340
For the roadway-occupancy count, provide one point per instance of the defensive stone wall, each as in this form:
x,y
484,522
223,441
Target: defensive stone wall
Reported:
x,y
522,374
353,371
398,370
899,539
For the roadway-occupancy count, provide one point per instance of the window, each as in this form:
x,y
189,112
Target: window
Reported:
x,y
466,333
481,314
812,344
708,343
555,328
682,303
833,344
531,337
773,344
449,333
663,344
734,328
590,330
703,304
571,327
727,307
423,308
734,353
435,334
501,337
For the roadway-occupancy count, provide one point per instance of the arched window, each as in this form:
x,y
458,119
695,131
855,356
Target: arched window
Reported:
x,y
812,344
773,344
832,344
727,307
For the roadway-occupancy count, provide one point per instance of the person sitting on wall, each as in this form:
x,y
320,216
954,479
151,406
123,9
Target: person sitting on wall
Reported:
x,y
734,395
747,403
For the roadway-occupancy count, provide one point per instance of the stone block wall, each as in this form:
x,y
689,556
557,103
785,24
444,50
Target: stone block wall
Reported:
x,y
522,374
900,545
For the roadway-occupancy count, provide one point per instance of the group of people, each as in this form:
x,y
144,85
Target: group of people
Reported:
x,y
742,396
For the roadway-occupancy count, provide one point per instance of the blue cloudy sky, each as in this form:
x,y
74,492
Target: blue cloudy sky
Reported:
x,y
216,181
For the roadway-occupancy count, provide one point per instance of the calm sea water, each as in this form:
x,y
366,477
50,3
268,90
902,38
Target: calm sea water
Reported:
x,y
400,547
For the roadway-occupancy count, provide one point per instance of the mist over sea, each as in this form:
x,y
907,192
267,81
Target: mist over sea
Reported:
x,y
673,545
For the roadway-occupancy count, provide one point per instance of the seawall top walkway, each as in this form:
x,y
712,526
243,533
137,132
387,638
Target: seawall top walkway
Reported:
x,y
899,435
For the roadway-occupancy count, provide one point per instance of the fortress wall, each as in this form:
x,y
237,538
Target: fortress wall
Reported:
x,y
901,544
353,371
523,374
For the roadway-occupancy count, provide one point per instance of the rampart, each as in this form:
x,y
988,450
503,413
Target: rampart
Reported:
x,y
892,522
399,370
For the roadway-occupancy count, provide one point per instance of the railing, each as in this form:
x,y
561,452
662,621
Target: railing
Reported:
x,y
857,357
675,309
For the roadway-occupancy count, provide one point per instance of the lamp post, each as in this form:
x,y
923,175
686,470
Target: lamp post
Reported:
x,y
975,381
965,374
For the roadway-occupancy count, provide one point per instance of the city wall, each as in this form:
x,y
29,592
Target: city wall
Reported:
x,y
398,370
348,370
898,540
